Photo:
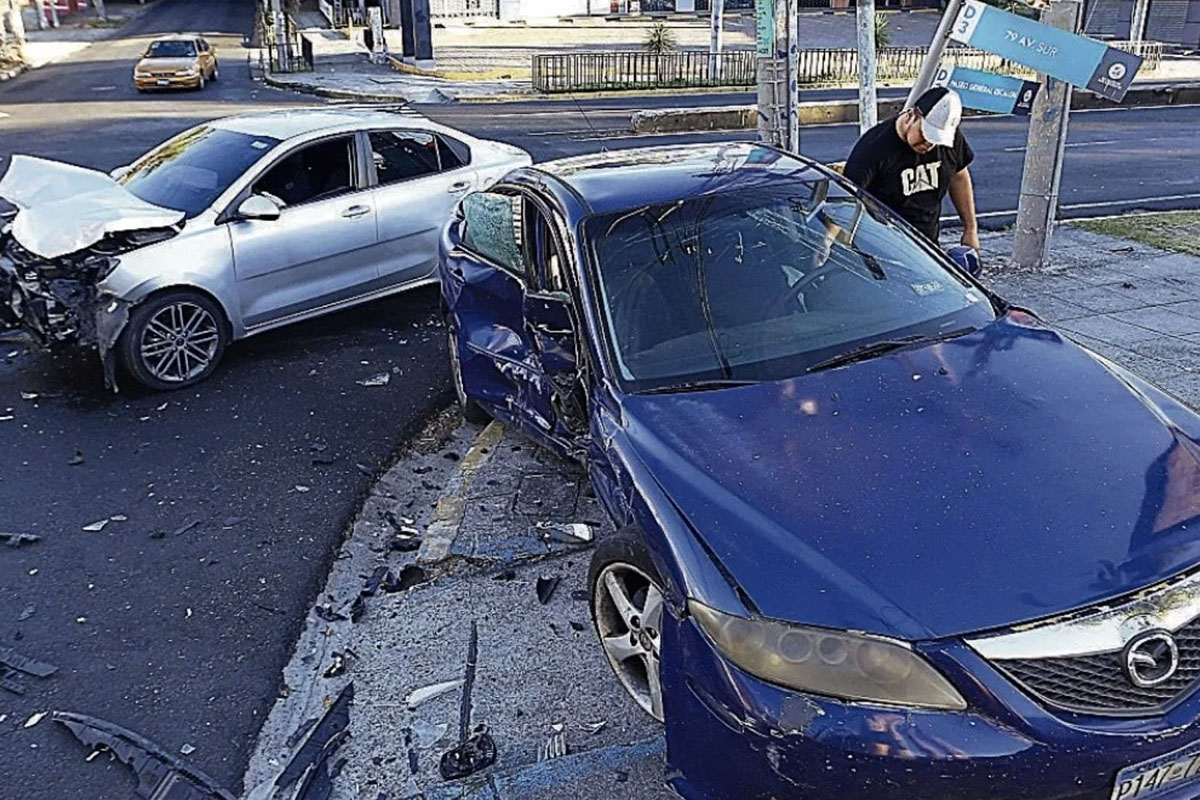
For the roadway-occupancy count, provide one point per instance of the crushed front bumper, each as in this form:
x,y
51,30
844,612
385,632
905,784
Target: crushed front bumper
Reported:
x,y
731,736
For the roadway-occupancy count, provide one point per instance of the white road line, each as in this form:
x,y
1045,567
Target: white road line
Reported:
x,y
1068,144
1083,206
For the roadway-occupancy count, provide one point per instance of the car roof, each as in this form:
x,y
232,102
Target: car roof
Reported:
x,y
287,123
178,37
620,180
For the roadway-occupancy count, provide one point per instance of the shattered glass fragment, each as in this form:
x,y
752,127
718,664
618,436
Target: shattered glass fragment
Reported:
x,y
427,693
546,587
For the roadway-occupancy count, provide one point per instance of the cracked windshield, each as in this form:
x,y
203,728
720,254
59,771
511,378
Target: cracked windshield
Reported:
x,y
600,399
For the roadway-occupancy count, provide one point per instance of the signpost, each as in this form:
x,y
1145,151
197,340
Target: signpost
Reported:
x,y
1063,54
987,91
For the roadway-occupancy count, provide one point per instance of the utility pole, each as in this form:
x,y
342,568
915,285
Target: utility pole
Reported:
x,y
792,39
278,22
717,23
1038,206
1137,25
868,108
934,57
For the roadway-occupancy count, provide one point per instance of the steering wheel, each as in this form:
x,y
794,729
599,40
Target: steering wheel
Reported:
x,y
799,286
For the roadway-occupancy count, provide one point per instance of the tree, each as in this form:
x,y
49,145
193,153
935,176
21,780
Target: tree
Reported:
x,y
659,40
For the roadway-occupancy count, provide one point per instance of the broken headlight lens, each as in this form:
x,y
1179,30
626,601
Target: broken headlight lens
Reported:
x,y
819,661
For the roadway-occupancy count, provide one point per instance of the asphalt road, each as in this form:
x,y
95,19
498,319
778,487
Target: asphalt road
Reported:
x,y
1116,160
181,638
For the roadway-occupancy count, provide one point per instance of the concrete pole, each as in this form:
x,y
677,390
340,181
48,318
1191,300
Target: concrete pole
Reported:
x,y
716,25
40,7
53,14
868,108
1137,25
279,22
791,8
934,57
1040,182
99,4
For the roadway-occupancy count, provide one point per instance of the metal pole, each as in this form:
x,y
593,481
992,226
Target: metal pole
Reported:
x,y
53,14
1137,25
934,57
1038,206
717,23
868,108
40,6
793,80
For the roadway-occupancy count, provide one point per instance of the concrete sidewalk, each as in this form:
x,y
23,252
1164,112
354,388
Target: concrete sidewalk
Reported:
x,y
466,525
75,32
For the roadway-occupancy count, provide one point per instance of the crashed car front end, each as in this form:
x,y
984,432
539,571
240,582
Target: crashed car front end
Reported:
x,y
59,302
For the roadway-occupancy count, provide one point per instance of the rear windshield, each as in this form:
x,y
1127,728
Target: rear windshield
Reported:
x,y
191,171
171,50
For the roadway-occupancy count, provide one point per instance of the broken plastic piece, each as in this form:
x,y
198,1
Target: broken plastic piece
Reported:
x,y
18,539
338,667
546,587
35,719
187,749
429,734
426,693
381,379
327,613
555,746
371,588
96,527
567,532
10,680
475,754
160,774
14,660
308,769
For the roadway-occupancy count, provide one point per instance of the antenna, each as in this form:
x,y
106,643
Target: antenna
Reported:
x,y
591,127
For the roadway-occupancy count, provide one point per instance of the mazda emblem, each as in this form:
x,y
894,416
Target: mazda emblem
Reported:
x,y
1150,658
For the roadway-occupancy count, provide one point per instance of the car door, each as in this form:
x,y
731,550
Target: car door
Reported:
x,y
319,251
207,59
419,179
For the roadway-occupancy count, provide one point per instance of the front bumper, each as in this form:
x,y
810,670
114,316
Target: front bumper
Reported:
x,y
731,736
173,82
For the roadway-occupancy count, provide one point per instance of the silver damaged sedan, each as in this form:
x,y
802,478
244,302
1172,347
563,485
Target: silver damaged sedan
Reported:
x,y
233,227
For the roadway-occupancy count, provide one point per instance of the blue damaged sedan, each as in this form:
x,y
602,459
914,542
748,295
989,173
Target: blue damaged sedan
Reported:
x,y
880,533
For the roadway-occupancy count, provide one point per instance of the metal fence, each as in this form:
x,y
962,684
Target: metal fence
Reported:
x,y
297,55
571,72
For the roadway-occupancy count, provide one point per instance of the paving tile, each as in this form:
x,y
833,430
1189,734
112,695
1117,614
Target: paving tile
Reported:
x,y
1109,329
1161,319
1185,386
1099,276
1189,308
1180,264
1152,369
1181,352
1052,309
1105,300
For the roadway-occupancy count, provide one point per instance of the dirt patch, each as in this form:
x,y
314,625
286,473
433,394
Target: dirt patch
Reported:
x,y
1175,230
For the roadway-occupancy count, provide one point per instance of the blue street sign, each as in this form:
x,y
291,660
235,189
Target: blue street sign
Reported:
x,y
1067,56
764,17
987,91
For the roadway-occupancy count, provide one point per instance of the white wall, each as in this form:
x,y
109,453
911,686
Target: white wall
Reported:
x,y
532,9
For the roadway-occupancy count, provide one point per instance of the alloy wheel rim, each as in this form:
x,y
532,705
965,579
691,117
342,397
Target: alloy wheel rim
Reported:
x,y
628,608
179,342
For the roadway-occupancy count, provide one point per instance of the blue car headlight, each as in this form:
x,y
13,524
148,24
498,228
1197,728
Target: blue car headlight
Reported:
x,y
843,665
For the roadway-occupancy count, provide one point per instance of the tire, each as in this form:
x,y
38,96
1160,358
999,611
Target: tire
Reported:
x,y
631,641
472,411
216,73
158,349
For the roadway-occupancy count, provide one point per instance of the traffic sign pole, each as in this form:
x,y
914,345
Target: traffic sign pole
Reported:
x,y
933,57
1040,182
868,109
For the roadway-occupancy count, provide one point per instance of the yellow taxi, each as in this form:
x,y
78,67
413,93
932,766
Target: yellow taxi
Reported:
x,y
176,62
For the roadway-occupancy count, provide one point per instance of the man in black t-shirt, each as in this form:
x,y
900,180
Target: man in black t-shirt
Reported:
x,y
911,161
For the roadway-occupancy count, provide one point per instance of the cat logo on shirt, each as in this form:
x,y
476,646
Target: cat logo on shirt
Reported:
x,y
921,178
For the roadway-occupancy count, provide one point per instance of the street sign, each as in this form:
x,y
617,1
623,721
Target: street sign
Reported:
x,y
764,17
1067,56
987,91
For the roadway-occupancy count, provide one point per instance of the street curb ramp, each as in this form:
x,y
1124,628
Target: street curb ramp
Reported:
x,y
727,118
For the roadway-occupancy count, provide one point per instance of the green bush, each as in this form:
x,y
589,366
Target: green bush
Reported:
x,y
659,40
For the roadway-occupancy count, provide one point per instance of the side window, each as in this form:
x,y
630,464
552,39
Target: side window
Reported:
x,y
403,155
542,250
203,46
316,172
452,153
493,228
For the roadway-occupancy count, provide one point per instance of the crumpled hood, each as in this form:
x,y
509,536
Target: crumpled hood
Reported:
x,y
63,208
992,479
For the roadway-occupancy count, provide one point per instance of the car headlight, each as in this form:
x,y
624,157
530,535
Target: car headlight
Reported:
x,y
844,665
139,74
186,73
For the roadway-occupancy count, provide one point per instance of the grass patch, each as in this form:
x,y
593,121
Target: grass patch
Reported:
x,y
1177,230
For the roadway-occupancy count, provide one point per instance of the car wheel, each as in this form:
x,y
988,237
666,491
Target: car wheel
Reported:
x,y
627,609
173,340
216,73
200,86
472,411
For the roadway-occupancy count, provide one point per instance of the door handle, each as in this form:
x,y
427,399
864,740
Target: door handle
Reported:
x,y
356,211
458,188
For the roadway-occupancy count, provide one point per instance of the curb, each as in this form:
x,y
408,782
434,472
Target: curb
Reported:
x,y
13,72
846,111
331,94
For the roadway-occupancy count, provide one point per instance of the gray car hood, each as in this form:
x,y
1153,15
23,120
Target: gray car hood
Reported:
x,y
63,208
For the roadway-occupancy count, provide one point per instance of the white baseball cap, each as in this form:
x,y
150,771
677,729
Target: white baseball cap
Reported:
x,y
941,111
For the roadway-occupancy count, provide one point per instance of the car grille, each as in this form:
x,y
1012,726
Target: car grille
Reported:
x,y
1098,683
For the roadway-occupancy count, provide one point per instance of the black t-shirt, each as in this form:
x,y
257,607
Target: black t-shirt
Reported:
x,y
911,184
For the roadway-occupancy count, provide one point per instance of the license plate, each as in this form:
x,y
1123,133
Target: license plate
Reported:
x,y
163,82
1158,776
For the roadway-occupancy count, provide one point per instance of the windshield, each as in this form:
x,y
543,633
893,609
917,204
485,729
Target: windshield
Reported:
x,y
758,285
191,171
171,49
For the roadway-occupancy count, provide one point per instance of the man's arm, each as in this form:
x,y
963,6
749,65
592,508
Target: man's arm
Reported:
x,y
962,194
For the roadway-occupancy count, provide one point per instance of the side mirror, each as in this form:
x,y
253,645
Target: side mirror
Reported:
x,y
258,206
118,173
